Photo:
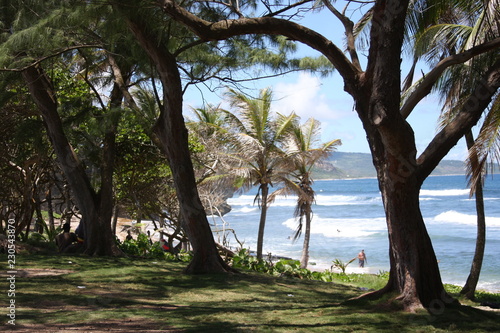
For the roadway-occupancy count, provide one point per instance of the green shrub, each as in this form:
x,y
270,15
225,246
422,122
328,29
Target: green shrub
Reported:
x,y
144,248
291,268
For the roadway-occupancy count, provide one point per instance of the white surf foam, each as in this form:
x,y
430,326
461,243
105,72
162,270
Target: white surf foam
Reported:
x,y
350,228
452,216
444,193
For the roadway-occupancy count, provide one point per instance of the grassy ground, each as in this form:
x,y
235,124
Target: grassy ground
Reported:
x,y
123,294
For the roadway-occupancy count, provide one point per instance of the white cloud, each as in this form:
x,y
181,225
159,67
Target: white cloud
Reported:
x,y
305,98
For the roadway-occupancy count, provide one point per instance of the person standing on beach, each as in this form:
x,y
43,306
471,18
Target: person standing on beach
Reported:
x,y
362,258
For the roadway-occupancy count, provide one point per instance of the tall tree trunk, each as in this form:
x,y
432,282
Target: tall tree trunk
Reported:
x,y
172,134
413,261
264,188
43,94
67,212
414,272
304,260
101,231
469,288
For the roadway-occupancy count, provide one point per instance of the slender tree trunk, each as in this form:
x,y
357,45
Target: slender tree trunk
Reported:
x,y
27,207
469,288
39,218
50,209
116,211
66,212
194,221
262,223
304,260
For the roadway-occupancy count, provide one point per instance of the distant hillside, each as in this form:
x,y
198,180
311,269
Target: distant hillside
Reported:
x,y
359,165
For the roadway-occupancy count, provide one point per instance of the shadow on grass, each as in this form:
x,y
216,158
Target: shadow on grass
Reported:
x,y
156,295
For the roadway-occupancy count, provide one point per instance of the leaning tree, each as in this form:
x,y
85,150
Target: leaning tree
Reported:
x,y
170,47
448,28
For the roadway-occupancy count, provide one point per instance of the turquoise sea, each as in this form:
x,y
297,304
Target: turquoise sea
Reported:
x,y
349,216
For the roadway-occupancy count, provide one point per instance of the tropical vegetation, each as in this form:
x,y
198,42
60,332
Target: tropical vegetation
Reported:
x,y
93,125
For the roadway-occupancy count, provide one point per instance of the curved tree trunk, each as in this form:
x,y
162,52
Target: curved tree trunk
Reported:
x,y
172,135
469,288
97,239
414,264
264,188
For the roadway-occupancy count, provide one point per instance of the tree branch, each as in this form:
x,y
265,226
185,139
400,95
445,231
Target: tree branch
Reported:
x,y
40,60
349,32
215,31
120,81
430,79
282,10
467,117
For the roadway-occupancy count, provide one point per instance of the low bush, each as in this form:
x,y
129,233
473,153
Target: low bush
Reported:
x,y
144,247
291,268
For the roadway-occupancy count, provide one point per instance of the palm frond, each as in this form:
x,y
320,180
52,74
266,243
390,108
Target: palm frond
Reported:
x,y
486,147
441,40
362,30
284,124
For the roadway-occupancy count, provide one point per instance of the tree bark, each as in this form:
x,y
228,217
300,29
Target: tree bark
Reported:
x,y
264,188
101,233
469,288
172,133
414,270
304,260
27,205
43,94
50,209
114,223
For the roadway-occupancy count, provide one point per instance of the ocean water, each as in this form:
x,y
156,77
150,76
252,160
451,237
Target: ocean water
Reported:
x,y
349,216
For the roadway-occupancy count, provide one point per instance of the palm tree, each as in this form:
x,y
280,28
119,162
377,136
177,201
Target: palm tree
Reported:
x,y
215,181
303,153
450,28
256,139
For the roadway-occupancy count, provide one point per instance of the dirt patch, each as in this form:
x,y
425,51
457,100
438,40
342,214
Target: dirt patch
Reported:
x,y
32,272
486,308
130,325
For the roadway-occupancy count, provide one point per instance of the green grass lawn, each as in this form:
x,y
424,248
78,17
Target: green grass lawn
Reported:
x,y
147,295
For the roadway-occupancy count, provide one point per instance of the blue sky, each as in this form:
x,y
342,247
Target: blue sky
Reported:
x,y
325,100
